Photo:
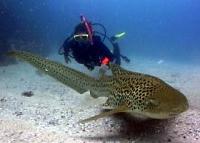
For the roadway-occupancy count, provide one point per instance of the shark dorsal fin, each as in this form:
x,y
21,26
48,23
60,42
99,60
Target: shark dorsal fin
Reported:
x,y
117,70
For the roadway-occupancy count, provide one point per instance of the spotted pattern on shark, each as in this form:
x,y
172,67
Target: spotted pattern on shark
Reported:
x,y
127,91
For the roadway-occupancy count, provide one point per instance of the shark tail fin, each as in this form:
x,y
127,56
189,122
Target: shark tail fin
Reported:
x,y
64,74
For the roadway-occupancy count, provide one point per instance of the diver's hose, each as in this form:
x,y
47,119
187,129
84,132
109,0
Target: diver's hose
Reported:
x,y
103,35
104,29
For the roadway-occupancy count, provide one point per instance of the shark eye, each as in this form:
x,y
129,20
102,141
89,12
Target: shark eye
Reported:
x,y
152,102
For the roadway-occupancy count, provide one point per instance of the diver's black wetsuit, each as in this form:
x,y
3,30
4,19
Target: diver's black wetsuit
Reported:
x,y
90,55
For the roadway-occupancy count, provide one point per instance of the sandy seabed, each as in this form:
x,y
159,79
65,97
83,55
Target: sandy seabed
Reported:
x,y
52,113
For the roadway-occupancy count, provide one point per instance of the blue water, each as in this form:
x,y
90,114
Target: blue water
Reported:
x,y
159,29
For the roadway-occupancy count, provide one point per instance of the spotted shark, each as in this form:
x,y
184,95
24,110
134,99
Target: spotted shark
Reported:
x,y
126,91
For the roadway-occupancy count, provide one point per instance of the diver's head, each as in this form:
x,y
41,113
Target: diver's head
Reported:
x,y
83,31
80,33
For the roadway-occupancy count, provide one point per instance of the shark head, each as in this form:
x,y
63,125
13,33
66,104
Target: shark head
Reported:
x,y
148,95
166,102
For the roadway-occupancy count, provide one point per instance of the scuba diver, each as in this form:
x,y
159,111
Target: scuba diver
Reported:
x,y
87,48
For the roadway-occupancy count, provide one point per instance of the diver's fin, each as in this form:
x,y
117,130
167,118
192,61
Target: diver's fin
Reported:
x,y
104,114
125,58
117,36
120,35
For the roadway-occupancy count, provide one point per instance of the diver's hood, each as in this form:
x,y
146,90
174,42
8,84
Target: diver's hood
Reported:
x,y
80,28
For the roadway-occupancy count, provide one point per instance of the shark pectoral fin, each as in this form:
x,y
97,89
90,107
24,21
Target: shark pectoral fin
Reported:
x,y
109,103
104,114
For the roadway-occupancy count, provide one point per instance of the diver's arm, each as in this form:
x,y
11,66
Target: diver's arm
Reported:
x,y
61,49
66,49
103,48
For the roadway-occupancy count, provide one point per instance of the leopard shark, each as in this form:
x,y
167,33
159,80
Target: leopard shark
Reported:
x,y
126,91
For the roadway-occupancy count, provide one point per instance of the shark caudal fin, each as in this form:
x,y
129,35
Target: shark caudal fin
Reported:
x,y
70,77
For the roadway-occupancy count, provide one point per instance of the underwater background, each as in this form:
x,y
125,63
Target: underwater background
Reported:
x,y
162,39
159,29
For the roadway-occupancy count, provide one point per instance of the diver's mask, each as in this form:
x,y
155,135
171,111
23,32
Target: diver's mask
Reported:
x,y
82,37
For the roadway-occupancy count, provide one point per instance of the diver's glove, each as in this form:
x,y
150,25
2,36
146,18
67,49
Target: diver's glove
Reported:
x,y
126,59
61,50
67,60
